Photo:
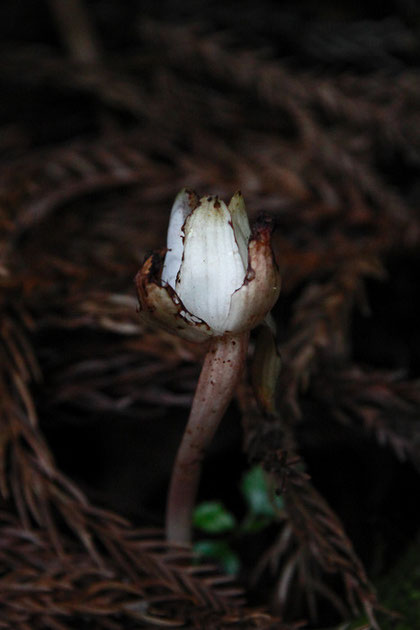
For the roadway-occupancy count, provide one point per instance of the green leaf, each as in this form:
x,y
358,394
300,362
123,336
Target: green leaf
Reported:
x,y
220,552
213,518
256,492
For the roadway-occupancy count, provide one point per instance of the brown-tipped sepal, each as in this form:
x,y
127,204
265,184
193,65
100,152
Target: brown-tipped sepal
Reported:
x,y
266,366
160,305
260,290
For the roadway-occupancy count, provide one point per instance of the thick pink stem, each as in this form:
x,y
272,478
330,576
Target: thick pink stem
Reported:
x,y
219,376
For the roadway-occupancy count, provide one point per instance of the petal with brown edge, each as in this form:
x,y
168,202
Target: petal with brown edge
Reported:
x,y
160,305
258,294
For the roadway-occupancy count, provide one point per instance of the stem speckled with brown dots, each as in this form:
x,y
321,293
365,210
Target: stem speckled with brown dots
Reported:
x,y
219,376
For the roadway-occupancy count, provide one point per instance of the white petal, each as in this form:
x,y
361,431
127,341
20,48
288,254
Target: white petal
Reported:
x,y
212,267
240,225
184,203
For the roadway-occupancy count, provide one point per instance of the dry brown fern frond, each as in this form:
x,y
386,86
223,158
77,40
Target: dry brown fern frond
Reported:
x,y
361,118
334,134
383,403
39,589
320,326
43,181
46,499
311,544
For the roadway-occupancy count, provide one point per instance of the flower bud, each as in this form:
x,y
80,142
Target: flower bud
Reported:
x,y
216,277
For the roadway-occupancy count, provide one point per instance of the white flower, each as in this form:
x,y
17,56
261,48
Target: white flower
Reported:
x,y
216,277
